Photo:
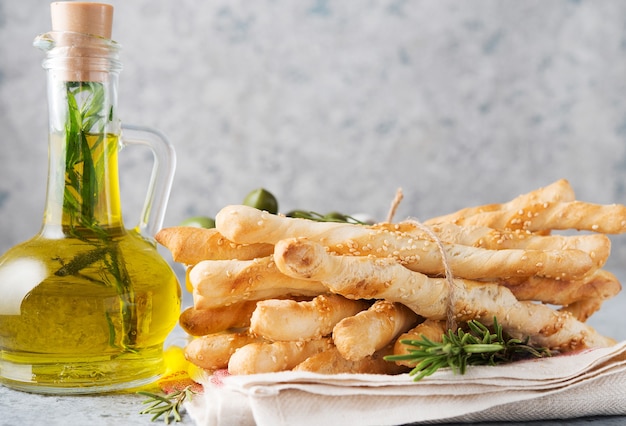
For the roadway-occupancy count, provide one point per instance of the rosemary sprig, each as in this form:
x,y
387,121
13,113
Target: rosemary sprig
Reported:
x,y
476,346
83,173
85,169
168,405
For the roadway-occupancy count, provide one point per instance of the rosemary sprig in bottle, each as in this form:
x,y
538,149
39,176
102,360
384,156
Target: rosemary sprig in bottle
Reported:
x,y
89,113
476,346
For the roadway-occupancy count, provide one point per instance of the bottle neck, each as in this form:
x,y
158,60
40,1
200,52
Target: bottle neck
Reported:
x,y
83,197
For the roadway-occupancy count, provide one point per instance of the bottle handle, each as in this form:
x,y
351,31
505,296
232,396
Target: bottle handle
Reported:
x,y
160,184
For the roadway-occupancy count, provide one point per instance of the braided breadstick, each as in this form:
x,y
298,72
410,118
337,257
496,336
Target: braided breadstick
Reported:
x,y
275,356
361,335
190,245
246,225
212,352
583,309
559,191
332,362
224,282
200,322
430,329
283,320
606,219
598,246
363,277
600,285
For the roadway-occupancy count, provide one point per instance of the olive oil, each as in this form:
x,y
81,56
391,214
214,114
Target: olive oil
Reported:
x,y
71,333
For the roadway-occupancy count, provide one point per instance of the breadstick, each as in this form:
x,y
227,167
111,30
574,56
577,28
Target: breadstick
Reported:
x,y
363,277
273,357
213,352
583,309
559,191
361,335
518,255
605,219
224,282
331,362
246,224
431,329
476,263
190,245
284,320
600,285
598,246
200,322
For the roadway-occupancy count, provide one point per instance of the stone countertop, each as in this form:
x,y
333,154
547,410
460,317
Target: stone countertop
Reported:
x,y
20,408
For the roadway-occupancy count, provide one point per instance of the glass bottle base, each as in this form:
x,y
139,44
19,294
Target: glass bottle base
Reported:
x,y
74,375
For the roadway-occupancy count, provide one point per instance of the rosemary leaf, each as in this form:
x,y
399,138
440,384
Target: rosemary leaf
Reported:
x,y
81,261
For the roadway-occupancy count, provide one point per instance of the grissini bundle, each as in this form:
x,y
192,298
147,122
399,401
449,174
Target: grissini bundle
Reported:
x,y
342,285
364,277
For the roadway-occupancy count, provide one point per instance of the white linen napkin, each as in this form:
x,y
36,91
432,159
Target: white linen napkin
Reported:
x,y
592,382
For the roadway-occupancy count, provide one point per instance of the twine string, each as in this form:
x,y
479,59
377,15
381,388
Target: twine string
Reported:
x,y
450,317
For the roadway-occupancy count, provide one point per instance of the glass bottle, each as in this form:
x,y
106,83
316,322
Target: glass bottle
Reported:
x,y
86,304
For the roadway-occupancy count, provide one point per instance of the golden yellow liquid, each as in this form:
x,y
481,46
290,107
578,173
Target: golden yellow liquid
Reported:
x,y
69,334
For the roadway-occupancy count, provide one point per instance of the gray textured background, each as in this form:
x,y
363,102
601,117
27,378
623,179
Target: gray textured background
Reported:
x,y
332,105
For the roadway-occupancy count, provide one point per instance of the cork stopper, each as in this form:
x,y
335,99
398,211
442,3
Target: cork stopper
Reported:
x,y
83,48
82,17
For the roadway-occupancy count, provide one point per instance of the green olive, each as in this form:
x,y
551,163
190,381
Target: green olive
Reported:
x,y
262,199
199,222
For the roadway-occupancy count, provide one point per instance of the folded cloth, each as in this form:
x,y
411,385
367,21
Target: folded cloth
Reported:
x,y
592,382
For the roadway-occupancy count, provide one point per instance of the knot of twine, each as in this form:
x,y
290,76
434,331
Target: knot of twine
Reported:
x,y
450,317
